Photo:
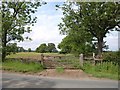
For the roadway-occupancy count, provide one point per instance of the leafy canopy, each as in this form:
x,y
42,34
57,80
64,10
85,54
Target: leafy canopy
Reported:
x,y
17,18
90,20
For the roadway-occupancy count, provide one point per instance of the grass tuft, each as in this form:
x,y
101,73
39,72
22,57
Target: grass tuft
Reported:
x,y
60,69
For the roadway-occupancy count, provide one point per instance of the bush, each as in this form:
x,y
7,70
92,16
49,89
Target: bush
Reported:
x,y
62,52
112,57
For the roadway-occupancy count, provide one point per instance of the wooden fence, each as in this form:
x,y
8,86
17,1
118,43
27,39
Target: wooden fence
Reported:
x,y
93,59
69,62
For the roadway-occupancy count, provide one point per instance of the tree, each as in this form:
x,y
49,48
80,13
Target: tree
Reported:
x,y
55,50
21,49
95,18
29,50
11,48
51,47
0,33
74,44
16,20
77,40
65,45
42,48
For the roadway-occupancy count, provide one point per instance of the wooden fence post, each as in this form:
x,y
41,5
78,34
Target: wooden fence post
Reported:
x,y
42,59
94,58
81,59
93,55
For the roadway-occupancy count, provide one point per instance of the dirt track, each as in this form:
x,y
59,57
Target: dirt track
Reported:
x,y
68,74
73,74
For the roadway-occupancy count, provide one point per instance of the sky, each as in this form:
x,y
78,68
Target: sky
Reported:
x,y
46,29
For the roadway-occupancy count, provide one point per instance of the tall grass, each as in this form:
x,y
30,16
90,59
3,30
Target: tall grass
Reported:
x,y
104,70
21,67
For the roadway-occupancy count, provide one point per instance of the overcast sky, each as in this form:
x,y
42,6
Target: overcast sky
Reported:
x,y
46,29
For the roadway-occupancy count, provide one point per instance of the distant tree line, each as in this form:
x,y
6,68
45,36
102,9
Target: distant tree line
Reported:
x,y
12,48
43,48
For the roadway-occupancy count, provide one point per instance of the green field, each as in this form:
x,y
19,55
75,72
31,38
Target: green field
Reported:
x,y
32,55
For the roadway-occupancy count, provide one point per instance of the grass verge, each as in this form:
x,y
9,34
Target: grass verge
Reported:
x,y
104,70
60,69
18,66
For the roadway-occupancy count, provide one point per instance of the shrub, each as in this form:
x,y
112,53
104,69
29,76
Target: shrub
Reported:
x,y
62,52
112,57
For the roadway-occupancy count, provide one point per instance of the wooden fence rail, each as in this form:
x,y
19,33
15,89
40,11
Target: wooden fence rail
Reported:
x,y
63,61
94,59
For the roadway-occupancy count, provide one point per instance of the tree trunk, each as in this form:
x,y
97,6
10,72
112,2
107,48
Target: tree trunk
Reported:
x,y
3,55
4,42
100,46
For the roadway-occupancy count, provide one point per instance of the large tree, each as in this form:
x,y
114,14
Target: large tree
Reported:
x,y
0,32
97,18
21,49
76,44
42,48
29,50
16,20
11,48
51,47
65,45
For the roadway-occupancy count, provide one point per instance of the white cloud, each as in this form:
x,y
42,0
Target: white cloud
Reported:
x,y
112,40
44,31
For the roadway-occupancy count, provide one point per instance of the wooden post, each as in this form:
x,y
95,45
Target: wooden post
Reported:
x,y
81,59
94,59
93,55
42,59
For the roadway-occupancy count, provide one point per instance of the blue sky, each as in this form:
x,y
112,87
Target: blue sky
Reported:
x,y
46,29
